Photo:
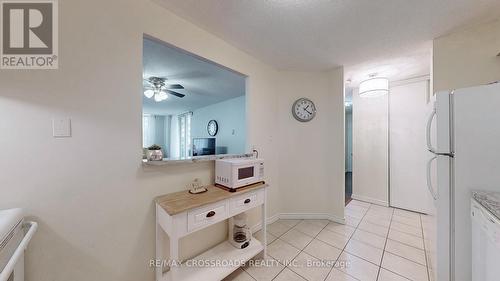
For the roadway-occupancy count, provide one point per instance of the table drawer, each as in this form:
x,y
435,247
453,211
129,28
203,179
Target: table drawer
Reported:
x,y
206,215
245,202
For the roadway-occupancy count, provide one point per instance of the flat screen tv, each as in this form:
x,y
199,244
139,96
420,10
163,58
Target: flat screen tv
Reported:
x,y
203,146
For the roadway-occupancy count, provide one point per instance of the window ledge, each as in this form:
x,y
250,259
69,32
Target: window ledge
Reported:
x,y
194,159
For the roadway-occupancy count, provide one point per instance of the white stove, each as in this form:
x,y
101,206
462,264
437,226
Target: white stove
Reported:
x,y
485,242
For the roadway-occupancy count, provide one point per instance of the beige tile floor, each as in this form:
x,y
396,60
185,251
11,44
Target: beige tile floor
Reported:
x,y
376,244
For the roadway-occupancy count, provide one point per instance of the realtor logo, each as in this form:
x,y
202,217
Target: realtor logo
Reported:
x,y
29,34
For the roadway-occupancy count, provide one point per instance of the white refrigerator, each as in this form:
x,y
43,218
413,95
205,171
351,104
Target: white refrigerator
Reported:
x,y
466,149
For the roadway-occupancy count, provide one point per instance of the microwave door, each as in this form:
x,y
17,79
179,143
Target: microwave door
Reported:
x,y
244,175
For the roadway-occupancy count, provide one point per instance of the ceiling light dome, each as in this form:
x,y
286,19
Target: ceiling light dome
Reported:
x,y
149,93
374,87
162,95
158,98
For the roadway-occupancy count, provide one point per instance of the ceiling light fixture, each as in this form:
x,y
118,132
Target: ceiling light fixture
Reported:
x,y
157,88
374,87
149,93
160,96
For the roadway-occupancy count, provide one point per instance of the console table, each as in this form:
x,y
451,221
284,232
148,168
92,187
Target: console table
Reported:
x,y
181,213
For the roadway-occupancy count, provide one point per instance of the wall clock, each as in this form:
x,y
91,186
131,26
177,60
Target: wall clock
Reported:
x,y
303,110
212,127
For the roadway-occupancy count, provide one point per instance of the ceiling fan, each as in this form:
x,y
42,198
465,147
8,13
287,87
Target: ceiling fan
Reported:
x,y
157,87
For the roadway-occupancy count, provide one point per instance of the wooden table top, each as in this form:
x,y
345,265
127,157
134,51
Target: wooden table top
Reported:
x,y
178,202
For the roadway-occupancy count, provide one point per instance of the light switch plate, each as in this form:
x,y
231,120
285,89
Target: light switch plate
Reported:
x,y
61,127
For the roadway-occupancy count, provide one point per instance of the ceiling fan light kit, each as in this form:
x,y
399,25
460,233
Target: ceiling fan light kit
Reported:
x,y
160,96
158,89
149,93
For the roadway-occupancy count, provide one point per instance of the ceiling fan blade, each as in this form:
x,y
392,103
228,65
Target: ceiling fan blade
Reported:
x,y
175,86
176,94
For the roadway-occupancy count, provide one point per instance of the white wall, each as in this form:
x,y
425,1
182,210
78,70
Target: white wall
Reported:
x,y
370,148
90,193
467,57
312,153
231,118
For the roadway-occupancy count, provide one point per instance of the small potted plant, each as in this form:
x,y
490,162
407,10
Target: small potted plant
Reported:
x,y
155,153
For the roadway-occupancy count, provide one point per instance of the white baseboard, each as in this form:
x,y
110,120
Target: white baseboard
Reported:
x,y
370,200
269,220
298,216
311,216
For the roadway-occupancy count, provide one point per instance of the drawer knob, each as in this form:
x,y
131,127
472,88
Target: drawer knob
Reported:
x,y
210,214
247,201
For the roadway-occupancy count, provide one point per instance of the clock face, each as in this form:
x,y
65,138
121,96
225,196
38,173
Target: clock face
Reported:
x,y
212,127
303,110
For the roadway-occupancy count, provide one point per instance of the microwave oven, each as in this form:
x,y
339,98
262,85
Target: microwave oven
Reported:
x,y
238,172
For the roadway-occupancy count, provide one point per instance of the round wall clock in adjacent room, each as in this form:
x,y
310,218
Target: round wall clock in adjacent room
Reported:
x,y
303,110
212,127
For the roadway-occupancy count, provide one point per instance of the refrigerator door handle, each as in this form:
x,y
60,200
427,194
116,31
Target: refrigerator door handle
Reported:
x,y
428,130
434,194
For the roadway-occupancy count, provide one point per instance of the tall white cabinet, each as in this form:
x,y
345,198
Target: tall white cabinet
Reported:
x,y
370,150
409,106
389,148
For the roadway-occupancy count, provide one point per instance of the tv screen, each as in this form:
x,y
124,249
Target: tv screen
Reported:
x,y
203,146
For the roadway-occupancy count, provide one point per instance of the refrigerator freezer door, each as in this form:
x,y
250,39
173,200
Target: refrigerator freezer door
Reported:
x,y
443,123
476,165
428,130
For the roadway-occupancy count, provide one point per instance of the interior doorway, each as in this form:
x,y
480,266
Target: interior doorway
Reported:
x,y
348,145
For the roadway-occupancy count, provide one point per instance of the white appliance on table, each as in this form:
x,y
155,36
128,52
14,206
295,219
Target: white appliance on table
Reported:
x,y
468,157
238,172
15,234
485,244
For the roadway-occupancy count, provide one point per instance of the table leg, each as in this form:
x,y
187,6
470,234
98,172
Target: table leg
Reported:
x,y
174,255
264,224
159,252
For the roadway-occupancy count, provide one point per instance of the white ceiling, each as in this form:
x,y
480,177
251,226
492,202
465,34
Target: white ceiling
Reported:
x,y
205,82
399,67
322,34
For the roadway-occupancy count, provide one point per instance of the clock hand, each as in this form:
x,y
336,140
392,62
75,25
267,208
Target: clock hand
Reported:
x,y
307,110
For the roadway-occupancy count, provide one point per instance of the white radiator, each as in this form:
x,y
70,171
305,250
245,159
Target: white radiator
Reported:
x,y
15,235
